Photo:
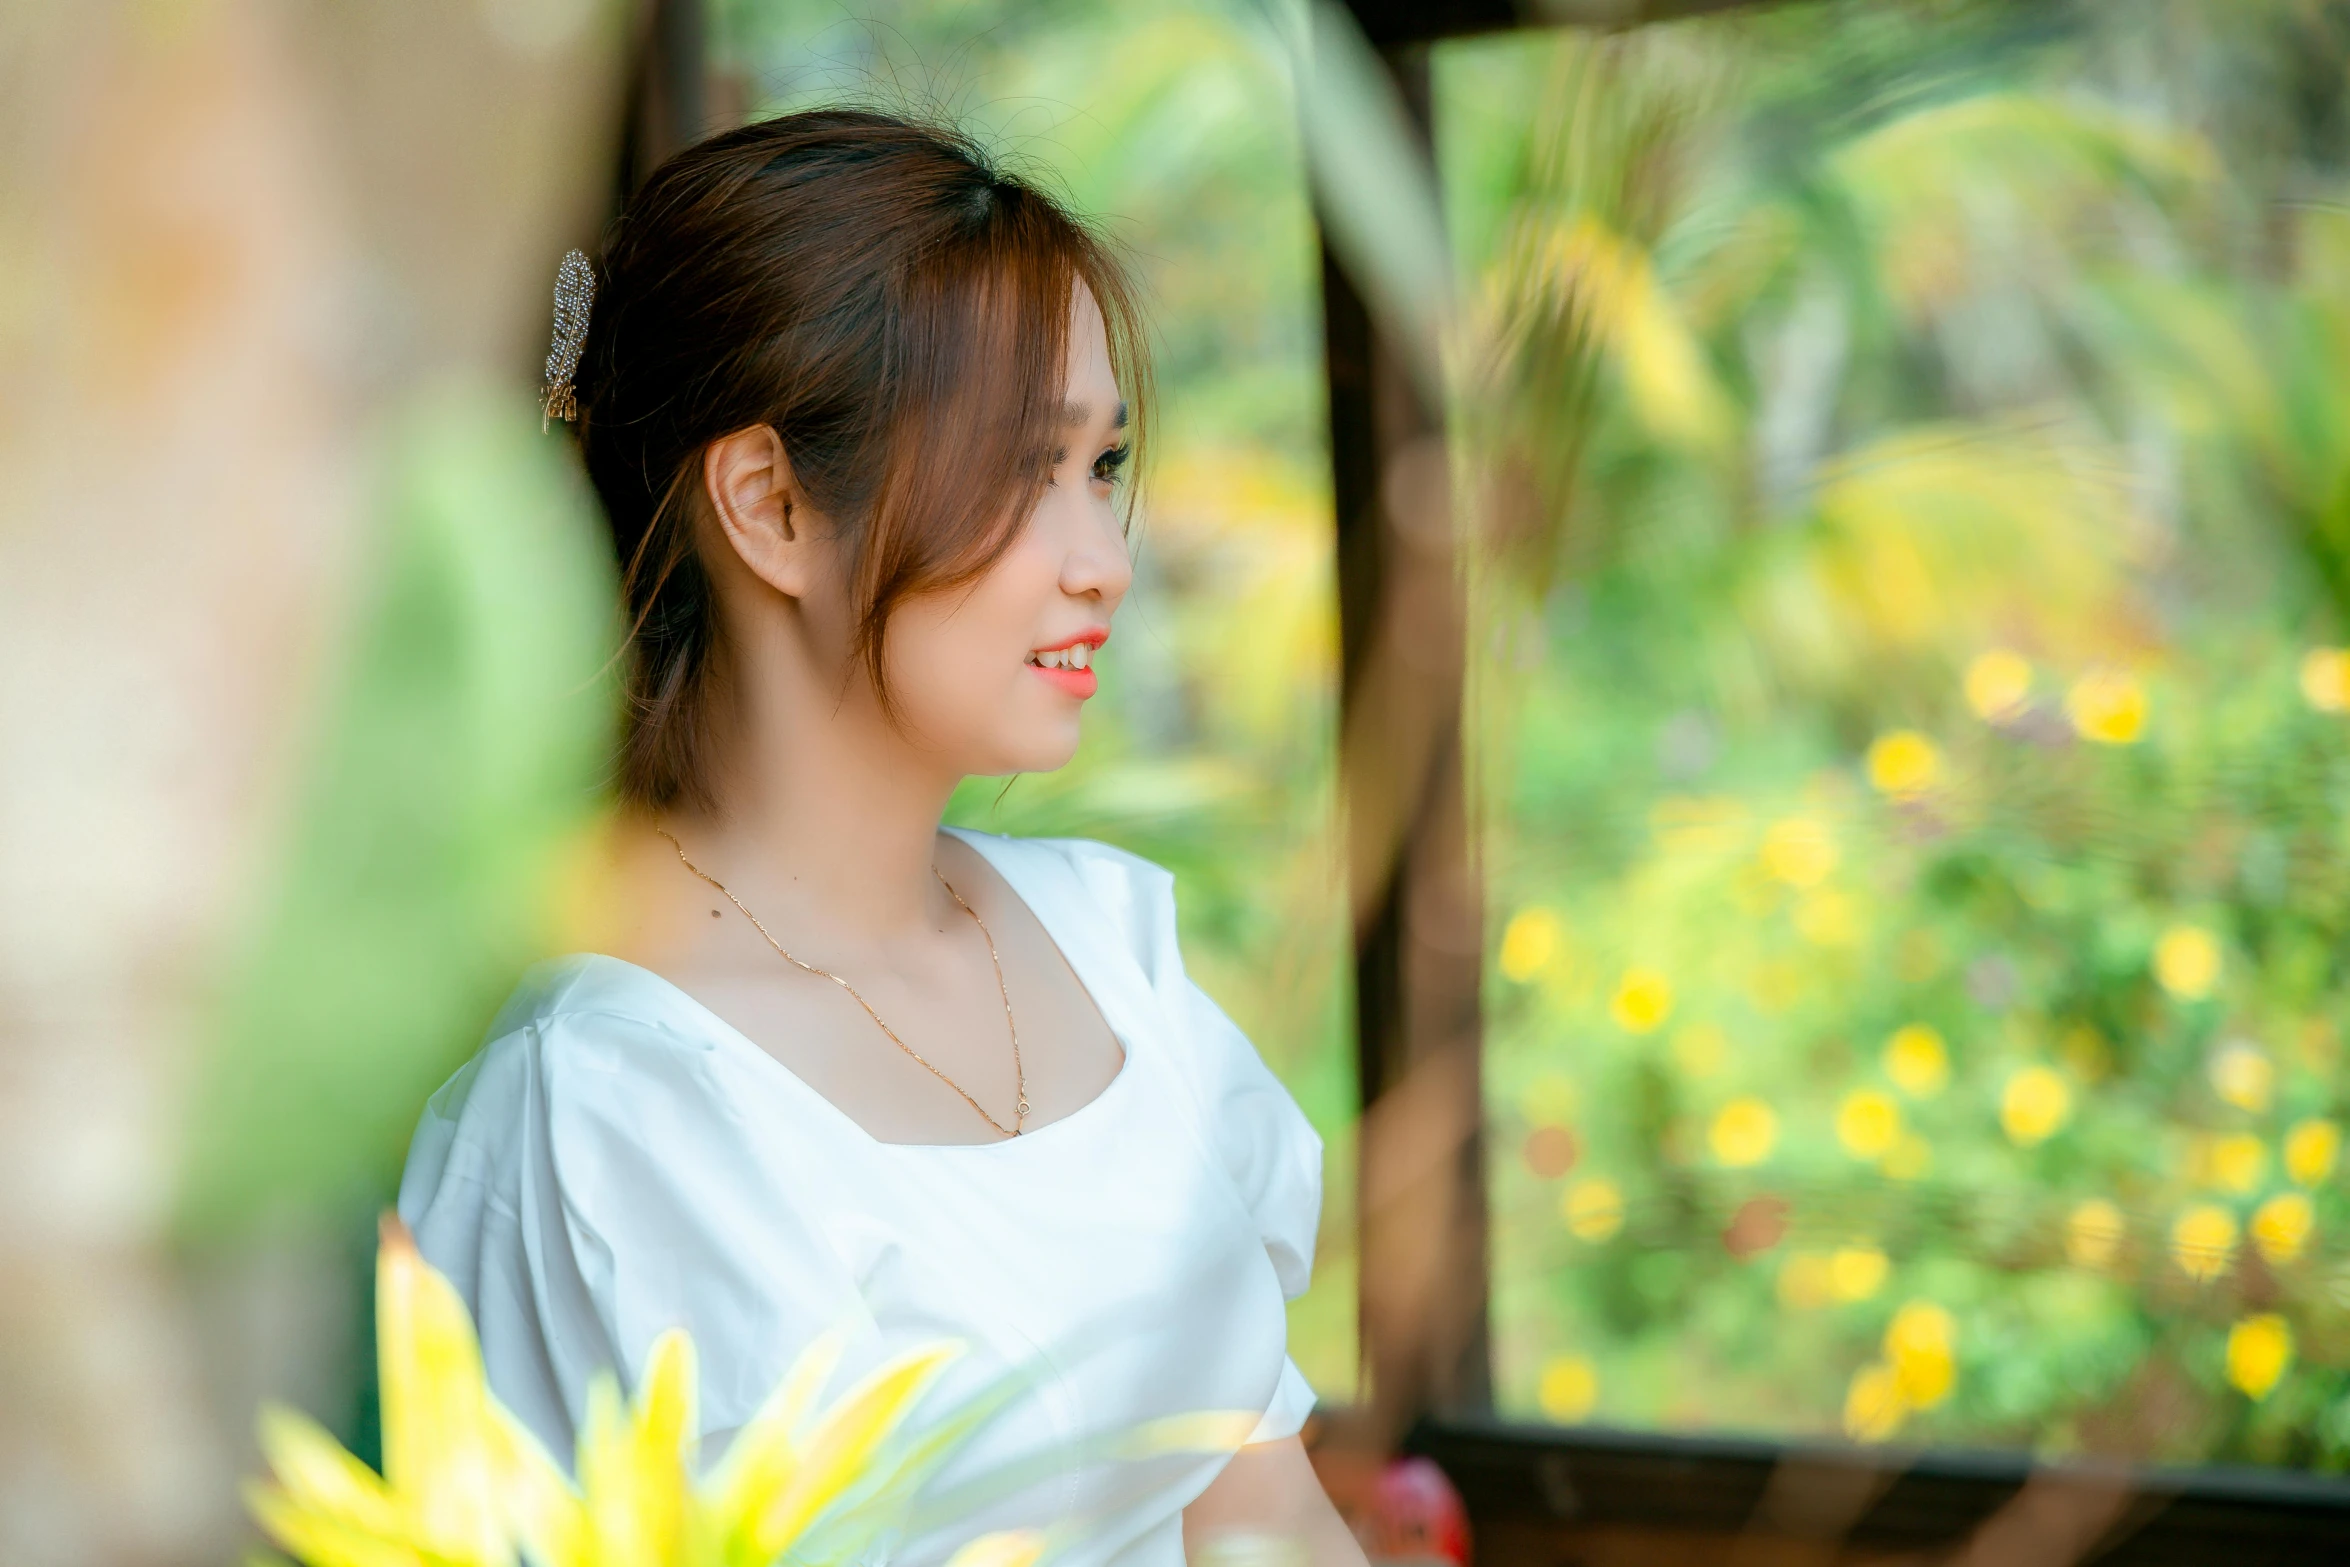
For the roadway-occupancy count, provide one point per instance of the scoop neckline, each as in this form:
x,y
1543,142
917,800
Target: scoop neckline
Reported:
x,y
856,1129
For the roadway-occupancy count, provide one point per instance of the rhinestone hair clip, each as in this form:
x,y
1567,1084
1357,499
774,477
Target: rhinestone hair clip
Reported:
x,y
575,296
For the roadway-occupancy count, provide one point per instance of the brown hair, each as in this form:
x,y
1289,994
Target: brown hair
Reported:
x,y
896,307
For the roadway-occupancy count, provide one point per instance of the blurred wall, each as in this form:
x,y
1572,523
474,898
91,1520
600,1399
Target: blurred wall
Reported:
x,y
243,239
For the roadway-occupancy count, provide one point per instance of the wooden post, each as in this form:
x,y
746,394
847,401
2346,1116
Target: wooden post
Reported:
x,y
667,104
1415,887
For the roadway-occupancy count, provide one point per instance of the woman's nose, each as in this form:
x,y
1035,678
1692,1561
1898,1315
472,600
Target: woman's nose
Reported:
x,y
1098,564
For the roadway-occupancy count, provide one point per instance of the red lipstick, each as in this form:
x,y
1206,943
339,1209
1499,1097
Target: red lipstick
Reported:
x,y
1068,663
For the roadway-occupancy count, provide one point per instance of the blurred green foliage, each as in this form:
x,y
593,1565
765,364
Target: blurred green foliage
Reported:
x,y
1915,750
455,774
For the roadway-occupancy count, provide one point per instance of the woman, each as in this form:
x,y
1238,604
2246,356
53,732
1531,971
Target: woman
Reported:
x,y
857,408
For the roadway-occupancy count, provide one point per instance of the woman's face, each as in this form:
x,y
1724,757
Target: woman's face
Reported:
x,y
992,678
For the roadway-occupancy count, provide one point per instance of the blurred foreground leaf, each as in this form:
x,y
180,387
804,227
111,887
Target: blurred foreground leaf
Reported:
x,y
455,775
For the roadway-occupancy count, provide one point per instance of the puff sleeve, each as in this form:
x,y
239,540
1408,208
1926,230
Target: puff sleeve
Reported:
x,y
579,1182
1254,1127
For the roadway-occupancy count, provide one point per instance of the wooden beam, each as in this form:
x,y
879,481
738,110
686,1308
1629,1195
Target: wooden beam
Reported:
x,y
1414,885
667,104
1394,24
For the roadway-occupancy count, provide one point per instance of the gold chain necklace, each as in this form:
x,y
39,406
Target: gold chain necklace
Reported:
x,y
1019,1072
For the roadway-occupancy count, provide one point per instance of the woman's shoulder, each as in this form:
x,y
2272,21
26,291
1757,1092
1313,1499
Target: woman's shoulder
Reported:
x,y
1113,889
581,1038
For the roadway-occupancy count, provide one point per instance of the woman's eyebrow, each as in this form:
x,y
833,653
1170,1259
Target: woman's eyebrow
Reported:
x,y
1074,412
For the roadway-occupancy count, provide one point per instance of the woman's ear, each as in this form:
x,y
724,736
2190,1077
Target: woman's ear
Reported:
x,y
759,507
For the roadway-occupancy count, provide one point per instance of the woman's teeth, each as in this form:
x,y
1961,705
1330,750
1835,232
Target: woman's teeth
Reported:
x,y
1078,657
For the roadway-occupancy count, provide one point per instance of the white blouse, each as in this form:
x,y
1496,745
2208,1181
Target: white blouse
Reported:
x,y
617,1160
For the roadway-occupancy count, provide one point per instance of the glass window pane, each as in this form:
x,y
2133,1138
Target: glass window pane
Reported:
x,y
1914,724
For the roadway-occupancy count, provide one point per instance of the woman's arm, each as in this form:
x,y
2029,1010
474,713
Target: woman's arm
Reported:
x,y
1269,1488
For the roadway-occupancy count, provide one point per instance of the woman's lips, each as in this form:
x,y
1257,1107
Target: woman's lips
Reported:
x,y
1079,683
1069,664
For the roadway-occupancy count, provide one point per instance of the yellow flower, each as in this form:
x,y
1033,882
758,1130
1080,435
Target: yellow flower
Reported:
x,y
1569,1390
2236,1162
2107,707
1868,1123
466,1485
2242,1075
1997,683
455,1465
2325,679
1643,1000
1909,1159
1920,1345
2310,1150
2202,1239
2280,1226
2034,1106
1903,764
1532,940
2260,1348
1744,1132
1917,1061
1873,1408
2186,962
1806,1282
1799,851
2093,1234
1700,1049
1593,1209
1857,1272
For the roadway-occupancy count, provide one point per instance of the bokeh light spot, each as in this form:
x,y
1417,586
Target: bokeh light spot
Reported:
x,y
1868,1123
1799,851
2311,1148
2236,1163
2325,679
1903,764
1873,1407
1998,683
2260,1349
1593,1209
2280,1226
1642,1002
1569,1389
1856,1273
1920,1344
2034,1106
1551,1151
2242,1074
2202,1240
1533,940
2107,707
1917,1060
1743,1133
2187,962
1759,1224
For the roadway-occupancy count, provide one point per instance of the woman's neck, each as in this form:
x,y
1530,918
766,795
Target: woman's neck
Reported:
x,y
825,805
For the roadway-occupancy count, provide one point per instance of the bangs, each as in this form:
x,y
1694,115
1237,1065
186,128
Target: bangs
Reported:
x,y
978,382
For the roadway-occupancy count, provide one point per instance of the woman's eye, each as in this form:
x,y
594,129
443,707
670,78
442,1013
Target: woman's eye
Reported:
x,y
1106,466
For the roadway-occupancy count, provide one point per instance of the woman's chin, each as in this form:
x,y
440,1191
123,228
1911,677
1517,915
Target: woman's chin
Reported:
x,y
1041,748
